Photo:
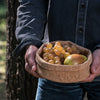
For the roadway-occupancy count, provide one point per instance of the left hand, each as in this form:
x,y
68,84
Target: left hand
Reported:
x,y
95,67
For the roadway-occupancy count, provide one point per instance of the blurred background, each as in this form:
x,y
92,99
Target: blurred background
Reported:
x,y
3,10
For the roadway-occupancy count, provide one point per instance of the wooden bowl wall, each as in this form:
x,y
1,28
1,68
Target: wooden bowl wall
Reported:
x,y
64,73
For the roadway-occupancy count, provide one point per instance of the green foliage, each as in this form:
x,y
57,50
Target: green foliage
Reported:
x,y
3,10
2,91
2,69
3,25
2,36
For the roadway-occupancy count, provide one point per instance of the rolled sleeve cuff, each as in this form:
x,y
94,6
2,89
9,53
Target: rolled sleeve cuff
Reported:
x,y
21,47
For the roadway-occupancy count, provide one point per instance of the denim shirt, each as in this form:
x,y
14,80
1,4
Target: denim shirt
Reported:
x,y
74,20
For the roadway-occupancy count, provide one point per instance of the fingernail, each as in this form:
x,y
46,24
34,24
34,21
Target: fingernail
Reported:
x,y
33,67
94,70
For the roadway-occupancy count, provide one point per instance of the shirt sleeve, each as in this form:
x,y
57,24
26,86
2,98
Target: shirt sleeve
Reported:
x,y
31,20
97,46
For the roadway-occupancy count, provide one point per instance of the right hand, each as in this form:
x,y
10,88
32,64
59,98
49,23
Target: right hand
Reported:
x,y
30,63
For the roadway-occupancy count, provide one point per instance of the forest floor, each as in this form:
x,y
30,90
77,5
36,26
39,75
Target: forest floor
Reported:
x,y
3,10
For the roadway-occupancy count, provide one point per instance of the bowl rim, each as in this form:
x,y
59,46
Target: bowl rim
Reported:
x,y
57,67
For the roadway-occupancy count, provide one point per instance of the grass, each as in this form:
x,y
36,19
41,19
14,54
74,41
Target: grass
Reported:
x,y
3,10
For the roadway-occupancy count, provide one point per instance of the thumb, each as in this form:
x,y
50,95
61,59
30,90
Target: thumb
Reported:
x,y
93,67
32,63
34,67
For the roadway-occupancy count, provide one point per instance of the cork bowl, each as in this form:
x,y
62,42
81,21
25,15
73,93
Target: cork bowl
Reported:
x,y
64,73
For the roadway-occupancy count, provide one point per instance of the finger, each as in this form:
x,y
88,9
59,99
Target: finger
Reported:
x,y
35,74
94,66
31,62
27,68
34,71
97,72
90,78
34,67
31,67
93,69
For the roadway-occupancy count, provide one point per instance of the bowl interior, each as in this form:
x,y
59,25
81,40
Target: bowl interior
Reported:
x,y
82,50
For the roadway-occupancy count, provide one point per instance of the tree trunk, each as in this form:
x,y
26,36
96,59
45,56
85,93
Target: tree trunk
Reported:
x,y
19,84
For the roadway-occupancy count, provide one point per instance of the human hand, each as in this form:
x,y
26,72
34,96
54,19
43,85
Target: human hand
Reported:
x,y
95,67
30,63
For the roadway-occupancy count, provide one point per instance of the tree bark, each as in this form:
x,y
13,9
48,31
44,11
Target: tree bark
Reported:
x,y
19,84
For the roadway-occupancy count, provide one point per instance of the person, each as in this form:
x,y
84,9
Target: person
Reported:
x,y
74,20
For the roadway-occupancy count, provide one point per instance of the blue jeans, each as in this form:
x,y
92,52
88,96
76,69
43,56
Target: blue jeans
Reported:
x,y
48,90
